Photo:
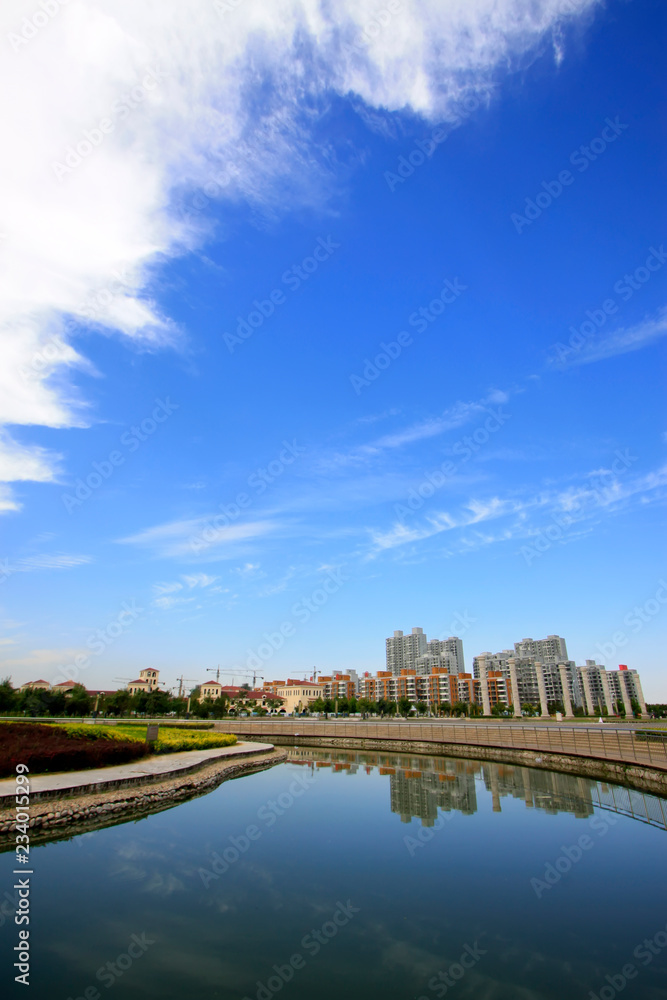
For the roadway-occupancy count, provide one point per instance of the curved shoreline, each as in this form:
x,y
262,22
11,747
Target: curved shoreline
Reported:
x,y
87,811
633,775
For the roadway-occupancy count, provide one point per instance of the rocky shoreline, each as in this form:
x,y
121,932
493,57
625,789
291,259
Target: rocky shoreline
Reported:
x,y
75,814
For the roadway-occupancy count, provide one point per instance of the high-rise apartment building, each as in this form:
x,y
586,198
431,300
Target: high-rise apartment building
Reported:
x,y
444,653
403,651
550,650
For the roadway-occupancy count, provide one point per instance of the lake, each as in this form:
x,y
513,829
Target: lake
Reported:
x,y
359,875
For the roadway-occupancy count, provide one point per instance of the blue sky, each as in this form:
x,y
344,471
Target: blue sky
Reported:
x,y
333,328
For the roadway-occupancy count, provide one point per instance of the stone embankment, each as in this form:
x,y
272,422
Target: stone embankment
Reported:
x,y
73,812
602,754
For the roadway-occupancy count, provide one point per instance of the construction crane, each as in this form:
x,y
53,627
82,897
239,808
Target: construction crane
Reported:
x,y
230,673
234,673
307,673
184,680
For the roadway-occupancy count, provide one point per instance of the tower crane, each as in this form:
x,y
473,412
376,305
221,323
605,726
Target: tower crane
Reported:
x,y
184,680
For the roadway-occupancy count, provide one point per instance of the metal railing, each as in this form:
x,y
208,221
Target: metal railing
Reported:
x,y
626,746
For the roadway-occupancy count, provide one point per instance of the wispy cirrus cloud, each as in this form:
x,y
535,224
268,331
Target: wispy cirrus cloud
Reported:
x,y
174,539
472,513
585,502
60,560
623,341
454,417
229,105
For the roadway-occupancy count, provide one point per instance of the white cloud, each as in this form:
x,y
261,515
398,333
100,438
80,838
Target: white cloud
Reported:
x,y
186,538
22,463
455,416
48,561
167,603
166,588
623,341
583,503
37,662
199,580
145,105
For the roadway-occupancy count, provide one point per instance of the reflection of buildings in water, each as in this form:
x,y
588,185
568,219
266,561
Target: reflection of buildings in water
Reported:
x,y
547,790
420,786
422,793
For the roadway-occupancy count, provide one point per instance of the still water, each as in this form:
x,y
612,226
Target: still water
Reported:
x,y
359,875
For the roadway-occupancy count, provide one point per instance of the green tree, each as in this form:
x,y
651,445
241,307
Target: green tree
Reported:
x,y
158,703
220,706
445,708
404,705
79,702
117,703
422,707
139,702
8,696
203,709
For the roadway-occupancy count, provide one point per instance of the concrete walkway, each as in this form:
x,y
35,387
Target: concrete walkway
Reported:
x,y
121,775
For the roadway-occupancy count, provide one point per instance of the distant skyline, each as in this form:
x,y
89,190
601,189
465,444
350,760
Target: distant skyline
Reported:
x,y
315,330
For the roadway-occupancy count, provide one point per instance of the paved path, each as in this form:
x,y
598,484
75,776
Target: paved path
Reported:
x,y
141,771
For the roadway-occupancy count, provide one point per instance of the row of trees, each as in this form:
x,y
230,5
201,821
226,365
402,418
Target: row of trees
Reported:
x,y
78,703
404,707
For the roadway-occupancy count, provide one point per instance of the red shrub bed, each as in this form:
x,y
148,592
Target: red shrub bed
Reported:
x,y
49,748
